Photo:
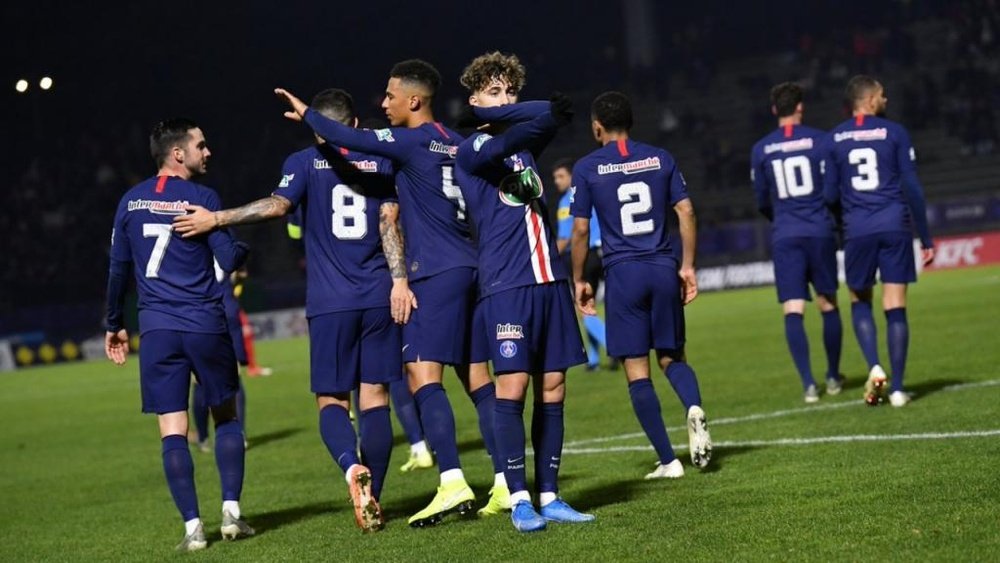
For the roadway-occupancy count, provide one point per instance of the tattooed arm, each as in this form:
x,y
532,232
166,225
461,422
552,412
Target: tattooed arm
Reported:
x,y
199,220
401,299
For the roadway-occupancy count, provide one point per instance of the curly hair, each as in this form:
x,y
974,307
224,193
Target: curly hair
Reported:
x,y
485,68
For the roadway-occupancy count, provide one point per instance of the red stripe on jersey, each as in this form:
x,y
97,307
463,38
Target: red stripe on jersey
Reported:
x,y
161,182
344,151
622,149
788,130
441,130
536,226
859,119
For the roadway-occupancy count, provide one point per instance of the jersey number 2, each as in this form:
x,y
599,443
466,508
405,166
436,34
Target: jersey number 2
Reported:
x,y
637,200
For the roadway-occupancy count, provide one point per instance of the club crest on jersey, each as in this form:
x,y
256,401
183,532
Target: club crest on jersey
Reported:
x,y
286,179
158,207
508,349
441,148
480,140
384,135
507,331
630,167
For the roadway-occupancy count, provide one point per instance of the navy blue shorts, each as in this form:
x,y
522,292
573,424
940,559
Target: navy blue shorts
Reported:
x,y
479,343
347,348
233,322
533,329
889,253
803,260
643,309
167,358
440,327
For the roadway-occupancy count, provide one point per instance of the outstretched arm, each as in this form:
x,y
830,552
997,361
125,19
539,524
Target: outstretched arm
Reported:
x,y
200,220
401,299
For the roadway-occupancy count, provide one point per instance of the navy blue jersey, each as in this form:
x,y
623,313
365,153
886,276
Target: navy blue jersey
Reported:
x,y
871,170
432,210
787,174
632,187
175,276
340,193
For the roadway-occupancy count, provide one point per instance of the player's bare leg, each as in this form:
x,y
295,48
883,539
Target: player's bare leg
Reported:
x,y
798,345
341,441
179,469
481,389
864,330
647,409
832,341
438,420
898,339
685,384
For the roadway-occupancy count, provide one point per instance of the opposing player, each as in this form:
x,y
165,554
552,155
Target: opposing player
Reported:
x,y
356,288
182,324
562,177
632,187
441,260
523,289
786,171
872,174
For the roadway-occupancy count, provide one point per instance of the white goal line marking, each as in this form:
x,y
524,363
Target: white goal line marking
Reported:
x,y
766,415
804,441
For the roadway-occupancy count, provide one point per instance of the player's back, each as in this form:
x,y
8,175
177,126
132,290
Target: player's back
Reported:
x,y
632,187
514,242
339,193
869,156
175,276
431,205
788,165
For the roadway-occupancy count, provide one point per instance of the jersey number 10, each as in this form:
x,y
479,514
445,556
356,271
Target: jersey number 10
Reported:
x,y
793,176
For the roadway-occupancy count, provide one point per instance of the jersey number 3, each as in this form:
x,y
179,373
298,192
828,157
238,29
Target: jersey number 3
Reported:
x,y
637,200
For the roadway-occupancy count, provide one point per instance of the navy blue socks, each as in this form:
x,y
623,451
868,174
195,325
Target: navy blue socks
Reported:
x,y
179,469
647,410
898,336
798,345
438,421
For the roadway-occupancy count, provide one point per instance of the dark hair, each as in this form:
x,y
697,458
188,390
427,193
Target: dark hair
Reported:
x,y
858,87
168,134
419,72
335,104
613,110
785,97
484,68
564,162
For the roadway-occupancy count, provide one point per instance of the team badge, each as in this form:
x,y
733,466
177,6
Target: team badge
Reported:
x,y
508,349
286,180
480,140
384,135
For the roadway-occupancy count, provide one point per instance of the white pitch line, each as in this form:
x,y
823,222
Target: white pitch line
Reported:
x,y
773,414
804,441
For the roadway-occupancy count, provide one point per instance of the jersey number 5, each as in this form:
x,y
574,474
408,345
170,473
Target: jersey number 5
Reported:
x,y
451,191
349,220
637,200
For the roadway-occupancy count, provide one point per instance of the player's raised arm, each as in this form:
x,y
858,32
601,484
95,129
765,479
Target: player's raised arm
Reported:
x,y
511,113
490,150
689,237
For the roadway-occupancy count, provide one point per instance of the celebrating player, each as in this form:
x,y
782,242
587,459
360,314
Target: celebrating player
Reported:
x,y
356,287
872,174
562,176
631,186
786,171
441,260
182,324
522,286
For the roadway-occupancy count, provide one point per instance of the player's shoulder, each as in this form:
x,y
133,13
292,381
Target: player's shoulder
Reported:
x,y
644,151
811,132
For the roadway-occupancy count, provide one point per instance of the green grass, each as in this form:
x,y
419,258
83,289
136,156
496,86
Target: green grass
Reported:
x,y
81,477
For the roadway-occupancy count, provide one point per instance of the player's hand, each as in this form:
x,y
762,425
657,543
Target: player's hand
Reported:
x,y
116,346
689,285
561,107
585,298
197,221
927,255
401,301
298,106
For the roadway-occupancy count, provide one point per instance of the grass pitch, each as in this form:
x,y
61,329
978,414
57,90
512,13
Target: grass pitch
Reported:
x,y
81,475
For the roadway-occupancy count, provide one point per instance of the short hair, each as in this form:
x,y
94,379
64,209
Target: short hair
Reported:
x,y
785,97
485,68
336,104
564,162
613,110
857,88
419,72
168,134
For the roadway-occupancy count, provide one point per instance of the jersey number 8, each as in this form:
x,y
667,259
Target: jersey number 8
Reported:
x,y
349,220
